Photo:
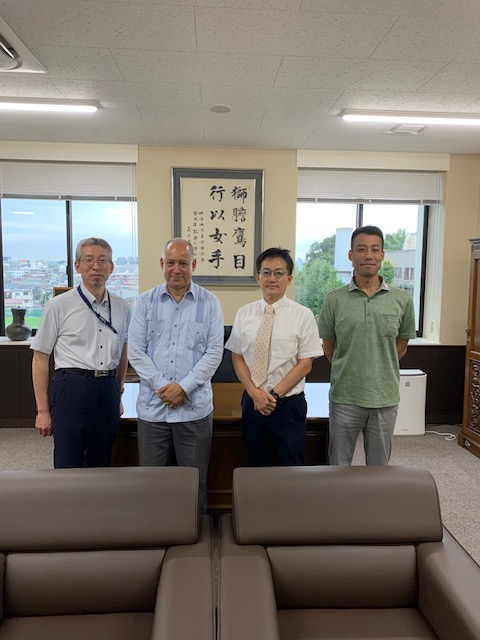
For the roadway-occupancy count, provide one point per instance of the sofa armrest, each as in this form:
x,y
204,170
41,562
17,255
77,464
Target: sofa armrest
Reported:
x,y
185,602
449,584
247,607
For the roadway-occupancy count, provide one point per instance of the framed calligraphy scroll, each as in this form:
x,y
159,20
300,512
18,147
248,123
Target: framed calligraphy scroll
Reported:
x,y
220,211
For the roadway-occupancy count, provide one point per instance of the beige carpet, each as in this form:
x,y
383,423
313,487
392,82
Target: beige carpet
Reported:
x,y
456,472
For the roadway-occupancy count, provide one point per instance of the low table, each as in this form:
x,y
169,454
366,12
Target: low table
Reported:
x,y
227,446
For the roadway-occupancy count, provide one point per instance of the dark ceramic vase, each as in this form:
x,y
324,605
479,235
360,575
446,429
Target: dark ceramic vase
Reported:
x,y
18,330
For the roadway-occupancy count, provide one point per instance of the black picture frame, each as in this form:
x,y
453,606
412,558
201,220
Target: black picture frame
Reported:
x,y
194,193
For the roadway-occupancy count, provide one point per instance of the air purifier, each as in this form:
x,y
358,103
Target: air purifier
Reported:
x,y
411,409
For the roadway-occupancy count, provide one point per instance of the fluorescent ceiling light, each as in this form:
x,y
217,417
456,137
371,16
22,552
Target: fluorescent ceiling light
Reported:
x,y
408,117
40,104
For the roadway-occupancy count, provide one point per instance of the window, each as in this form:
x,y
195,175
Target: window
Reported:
x,y
39,234
332,203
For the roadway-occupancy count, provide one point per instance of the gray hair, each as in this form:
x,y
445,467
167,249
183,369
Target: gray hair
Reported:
x,y
190,248
89,242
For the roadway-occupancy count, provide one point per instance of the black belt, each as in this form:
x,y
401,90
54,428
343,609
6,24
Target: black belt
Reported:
x,y
91,373
287,398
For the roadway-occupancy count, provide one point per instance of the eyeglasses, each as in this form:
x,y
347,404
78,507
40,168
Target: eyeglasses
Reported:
x,y
102,262
278,273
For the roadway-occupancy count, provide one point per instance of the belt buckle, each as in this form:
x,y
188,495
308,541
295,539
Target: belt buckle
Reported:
x,y
101,373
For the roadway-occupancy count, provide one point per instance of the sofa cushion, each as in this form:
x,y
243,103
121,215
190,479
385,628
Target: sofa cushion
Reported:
x,y
335,505
116,626
107,508
46,584
347,576
353,624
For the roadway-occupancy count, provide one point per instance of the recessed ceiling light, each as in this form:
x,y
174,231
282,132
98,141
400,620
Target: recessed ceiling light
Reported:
x,y
220,108
40,104
409,117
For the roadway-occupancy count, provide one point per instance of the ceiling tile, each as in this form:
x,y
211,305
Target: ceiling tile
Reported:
x,y
432,38
404,101
102,24
456,77
209,68
356,74
289,33
131,93
268,98
77,62
28,86
425,8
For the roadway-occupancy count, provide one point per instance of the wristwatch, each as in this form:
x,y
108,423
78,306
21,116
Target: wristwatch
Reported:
x,y
276,396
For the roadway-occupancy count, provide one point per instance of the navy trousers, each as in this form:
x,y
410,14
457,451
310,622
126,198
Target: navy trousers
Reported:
x,y
85,415
279,438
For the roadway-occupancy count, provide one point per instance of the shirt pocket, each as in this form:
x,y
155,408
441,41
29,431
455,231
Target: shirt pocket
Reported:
x,y
388,325
284,346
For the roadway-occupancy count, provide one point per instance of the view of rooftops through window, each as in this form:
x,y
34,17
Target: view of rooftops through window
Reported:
x,y
36,252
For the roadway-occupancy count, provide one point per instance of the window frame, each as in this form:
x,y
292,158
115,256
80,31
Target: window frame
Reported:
x,y
70,249
359,213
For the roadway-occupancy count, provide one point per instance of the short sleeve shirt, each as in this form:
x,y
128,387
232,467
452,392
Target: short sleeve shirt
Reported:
x,y
365,367
77,338
294,337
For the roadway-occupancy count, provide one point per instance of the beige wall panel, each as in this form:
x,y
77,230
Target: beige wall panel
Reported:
x,y
461,224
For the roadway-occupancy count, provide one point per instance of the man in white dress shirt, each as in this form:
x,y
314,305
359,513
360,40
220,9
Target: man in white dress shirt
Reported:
x,y
274,411
86,328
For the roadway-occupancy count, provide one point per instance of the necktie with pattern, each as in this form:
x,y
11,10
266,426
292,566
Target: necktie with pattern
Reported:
x,y
262,348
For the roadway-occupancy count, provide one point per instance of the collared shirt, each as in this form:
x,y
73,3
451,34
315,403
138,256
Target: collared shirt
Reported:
x,y
294,337
77,337
176,342
365,367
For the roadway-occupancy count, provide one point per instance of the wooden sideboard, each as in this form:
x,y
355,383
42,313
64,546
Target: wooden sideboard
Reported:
x,y
443,364
227,446
17,404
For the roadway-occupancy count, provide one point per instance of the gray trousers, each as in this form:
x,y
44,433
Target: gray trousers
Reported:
x,y
347,421
187,444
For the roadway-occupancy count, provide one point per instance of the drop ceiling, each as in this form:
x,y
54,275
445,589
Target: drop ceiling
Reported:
x,y
285,67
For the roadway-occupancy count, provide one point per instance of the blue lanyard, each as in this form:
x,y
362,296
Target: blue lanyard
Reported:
x,y
108,323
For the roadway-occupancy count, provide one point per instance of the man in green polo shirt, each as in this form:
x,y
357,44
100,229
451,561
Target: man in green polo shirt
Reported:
x,y
365,327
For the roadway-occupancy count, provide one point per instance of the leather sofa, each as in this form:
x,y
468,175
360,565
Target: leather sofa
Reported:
x,y
342,553
104,554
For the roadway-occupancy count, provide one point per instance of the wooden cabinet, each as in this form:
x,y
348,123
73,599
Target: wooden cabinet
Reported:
x,y
470,435
17,401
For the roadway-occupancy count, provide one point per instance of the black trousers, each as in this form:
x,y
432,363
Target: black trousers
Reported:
x,y
85,415
279,438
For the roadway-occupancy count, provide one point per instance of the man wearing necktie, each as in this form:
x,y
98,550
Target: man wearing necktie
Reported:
x,y
273,343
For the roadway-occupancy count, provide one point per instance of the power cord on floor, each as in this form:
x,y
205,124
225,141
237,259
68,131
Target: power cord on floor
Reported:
x,y
448,436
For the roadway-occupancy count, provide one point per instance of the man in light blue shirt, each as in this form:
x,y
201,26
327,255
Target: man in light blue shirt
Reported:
x,y
175,345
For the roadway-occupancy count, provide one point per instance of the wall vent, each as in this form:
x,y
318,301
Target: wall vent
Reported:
x,y
407,129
